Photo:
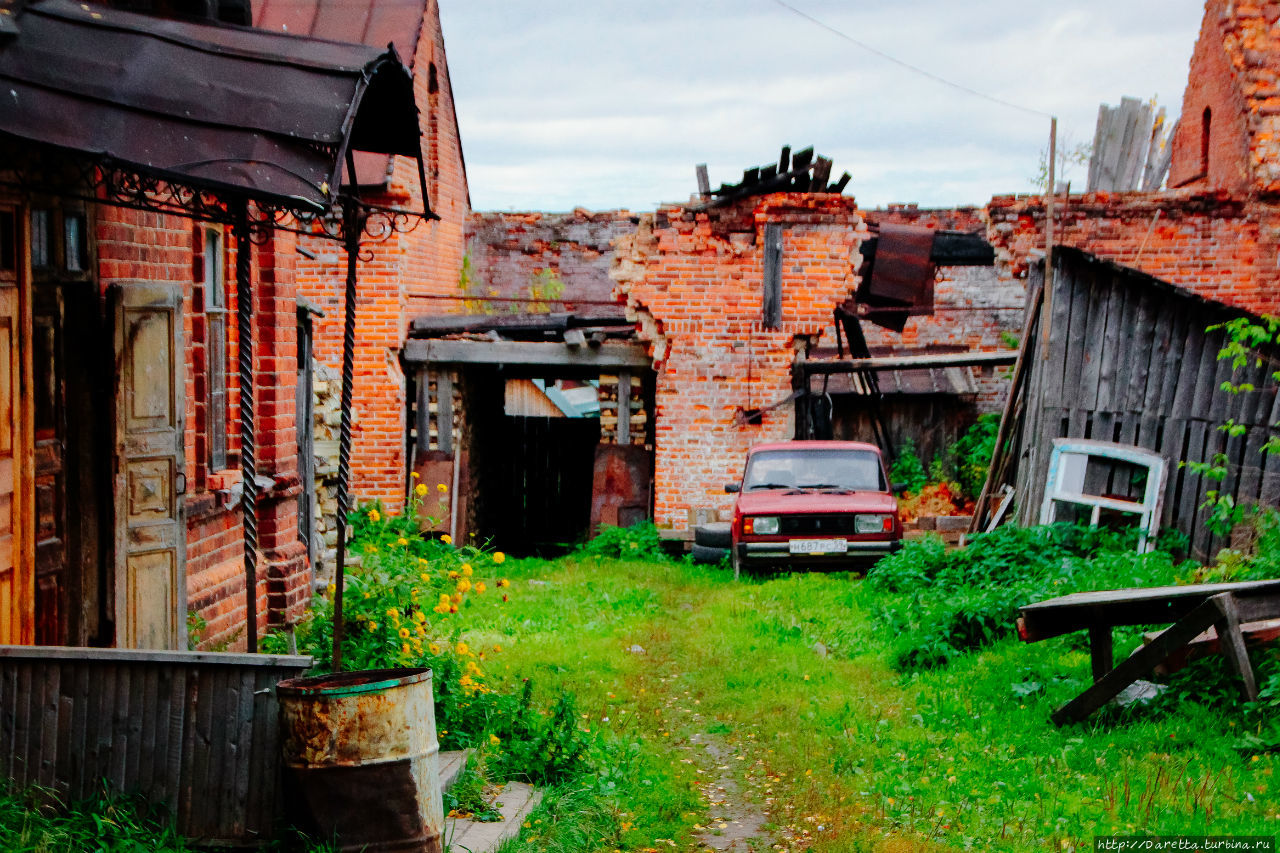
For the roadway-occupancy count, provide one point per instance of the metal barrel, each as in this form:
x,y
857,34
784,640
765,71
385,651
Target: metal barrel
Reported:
x,y
361,756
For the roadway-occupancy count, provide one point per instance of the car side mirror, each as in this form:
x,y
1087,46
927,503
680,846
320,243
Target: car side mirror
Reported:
x,y
733,488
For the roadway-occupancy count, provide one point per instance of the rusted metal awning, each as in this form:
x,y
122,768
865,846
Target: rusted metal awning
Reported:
x,y
233,110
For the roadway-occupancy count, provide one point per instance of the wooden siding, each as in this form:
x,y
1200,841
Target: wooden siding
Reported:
x,y
1131,360
196,732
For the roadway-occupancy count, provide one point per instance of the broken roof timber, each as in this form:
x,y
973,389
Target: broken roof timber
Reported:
x,y
534,354
906,362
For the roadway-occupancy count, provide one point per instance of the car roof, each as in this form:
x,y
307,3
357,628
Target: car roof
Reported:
x,y
814,445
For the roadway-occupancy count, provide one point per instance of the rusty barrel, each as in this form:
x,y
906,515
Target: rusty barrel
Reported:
x,y
361,755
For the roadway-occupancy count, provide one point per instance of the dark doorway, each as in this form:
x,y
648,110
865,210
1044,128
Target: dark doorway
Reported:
x,y
544,481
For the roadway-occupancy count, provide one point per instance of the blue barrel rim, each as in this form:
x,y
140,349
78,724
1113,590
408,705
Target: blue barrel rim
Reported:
x,y
355,683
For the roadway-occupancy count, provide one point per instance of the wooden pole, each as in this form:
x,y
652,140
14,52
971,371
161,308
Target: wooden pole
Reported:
x,y
1046,316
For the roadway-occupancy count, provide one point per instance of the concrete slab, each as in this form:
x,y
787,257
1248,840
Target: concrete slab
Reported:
x,y
452,763
514,801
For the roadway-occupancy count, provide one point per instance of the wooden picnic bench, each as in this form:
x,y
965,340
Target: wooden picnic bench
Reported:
x,y
1191,609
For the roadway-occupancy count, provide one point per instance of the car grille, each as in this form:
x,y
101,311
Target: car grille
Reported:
x,y
816,524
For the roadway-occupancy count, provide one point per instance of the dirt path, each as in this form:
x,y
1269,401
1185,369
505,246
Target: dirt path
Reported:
x,y
736,818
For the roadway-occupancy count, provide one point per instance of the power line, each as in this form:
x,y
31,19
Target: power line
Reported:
x,y
907,65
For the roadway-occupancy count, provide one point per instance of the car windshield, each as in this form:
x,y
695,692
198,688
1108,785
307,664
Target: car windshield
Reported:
x,y
849,470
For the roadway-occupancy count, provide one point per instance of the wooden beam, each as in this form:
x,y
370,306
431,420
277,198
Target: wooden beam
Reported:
x,y
910,362
704,182
624,407
422,419
534,353
444,410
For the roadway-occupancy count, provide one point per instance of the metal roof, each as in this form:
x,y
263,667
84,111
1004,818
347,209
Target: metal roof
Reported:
x,y
231,109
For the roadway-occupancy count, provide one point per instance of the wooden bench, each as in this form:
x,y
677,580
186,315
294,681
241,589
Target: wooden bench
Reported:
x,y
1192,609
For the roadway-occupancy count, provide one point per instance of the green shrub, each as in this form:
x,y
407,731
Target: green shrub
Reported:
x,y
971,454
640,541
949,602
907,469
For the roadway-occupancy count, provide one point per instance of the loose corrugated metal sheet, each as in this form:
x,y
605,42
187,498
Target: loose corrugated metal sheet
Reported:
x,y
375,23
227,108
931,380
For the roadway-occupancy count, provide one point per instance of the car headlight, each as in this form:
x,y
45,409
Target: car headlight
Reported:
x,y
765,525
873,523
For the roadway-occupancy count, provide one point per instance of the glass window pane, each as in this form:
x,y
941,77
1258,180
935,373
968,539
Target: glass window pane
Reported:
x,y
214,276
74,242
8,241
41,238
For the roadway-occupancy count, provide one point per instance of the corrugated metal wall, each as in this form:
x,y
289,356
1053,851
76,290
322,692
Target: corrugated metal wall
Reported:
x,y
1130,360
197,732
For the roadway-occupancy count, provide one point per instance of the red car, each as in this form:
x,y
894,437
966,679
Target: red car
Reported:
x,y
814,503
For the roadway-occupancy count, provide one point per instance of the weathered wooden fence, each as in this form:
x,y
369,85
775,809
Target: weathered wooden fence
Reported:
x,y
1130,361
196,732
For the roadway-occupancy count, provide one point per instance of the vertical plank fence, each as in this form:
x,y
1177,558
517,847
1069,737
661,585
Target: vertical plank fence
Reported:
x,y
196,732
1131,360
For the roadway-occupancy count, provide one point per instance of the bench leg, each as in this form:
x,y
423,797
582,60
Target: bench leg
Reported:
x,y
1231,642
1101,651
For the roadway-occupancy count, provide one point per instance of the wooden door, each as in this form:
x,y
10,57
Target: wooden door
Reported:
x,y
49,413
16,612
148,481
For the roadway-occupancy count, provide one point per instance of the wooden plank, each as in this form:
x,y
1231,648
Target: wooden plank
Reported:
x,y
522,352
624,407
771,305
45,761
1152,174
704,181
102,656
63,761
1101,651
909,362
1232,644
1095,337
444,410
234,820
422,412
22,773
119,734
1137,142
1099,135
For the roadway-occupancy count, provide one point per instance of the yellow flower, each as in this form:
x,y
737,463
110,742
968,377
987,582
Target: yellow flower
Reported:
x,y
504,583
463,648
442,607
456,598
441,488
467,570
419,617
497,648
393,612
494,740
474,668
499,557
420,489
444,598
375,516
480,588
452,574
402,542
464,585
368,595
422,632
331,588
404,633
371,549
414,475
434,649
426,576
373,626
446,539
405,648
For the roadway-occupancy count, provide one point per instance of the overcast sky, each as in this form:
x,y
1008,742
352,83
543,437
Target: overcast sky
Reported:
x,y
603,104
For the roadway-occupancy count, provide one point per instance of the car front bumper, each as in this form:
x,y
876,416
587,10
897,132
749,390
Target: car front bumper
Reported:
x,y
858,553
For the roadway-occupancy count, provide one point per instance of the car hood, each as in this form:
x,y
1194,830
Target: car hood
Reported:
x,y
779,502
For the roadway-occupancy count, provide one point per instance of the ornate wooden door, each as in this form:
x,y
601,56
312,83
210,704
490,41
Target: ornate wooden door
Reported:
x,y
150,534
15,594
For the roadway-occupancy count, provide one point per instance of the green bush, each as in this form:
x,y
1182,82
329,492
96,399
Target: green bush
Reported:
x,y
971,454
948,602
907,470
640,541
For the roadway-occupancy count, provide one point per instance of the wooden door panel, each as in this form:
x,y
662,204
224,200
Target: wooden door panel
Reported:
x,y
150,581
14,603
49,419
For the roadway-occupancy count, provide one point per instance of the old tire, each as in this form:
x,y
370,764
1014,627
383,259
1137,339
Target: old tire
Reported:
x,y
708,554
713,534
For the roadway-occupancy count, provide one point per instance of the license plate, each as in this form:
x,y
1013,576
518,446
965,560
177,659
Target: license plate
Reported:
x,y
818,546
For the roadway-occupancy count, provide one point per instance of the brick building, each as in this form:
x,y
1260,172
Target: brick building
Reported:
x,y
124,239
404,276
1216,230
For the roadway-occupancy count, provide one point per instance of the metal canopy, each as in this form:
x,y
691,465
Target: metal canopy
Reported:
x,y
233,110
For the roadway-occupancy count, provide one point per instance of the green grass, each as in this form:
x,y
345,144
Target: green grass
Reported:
x,y
961,757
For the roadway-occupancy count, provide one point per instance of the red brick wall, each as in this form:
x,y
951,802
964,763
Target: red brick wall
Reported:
x,y
507,250
1211,84
392,286
134,246
1213,244
695,283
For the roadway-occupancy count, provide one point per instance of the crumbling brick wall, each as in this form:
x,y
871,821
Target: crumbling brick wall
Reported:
x,y
508,250
693,281
1212,243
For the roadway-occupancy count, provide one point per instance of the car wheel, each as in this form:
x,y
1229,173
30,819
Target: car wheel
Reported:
x,y
715,534
708,554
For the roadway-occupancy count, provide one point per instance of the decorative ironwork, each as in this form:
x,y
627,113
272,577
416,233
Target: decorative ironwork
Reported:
x,y
248,460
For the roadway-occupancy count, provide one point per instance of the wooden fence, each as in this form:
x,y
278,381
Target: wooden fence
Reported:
x,y
196,732
1130,360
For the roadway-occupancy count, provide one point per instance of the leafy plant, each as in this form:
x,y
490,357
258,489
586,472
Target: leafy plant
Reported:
x,y
907,469
640,541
